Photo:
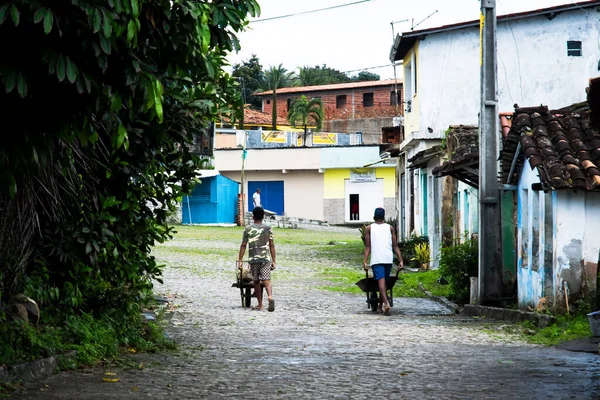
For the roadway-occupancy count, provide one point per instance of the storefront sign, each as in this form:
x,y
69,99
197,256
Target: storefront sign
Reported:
x,y
367,175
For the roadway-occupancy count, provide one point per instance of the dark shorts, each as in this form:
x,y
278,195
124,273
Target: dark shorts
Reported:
x,y
381,271
261,271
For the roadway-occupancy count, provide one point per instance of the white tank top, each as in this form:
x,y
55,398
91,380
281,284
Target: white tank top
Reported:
x,y
381,244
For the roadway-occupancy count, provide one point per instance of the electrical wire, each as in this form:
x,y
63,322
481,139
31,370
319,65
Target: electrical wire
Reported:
x,y
310,11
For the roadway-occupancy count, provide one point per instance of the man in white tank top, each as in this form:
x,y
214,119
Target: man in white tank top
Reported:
x,y
381,245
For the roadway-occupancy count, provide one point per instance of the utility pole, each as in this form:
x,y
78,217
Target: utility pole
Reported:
x,y
490,268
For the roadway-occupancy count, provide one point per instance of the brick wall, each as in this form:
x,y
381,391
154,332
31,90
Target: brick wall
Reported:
x,y
353,107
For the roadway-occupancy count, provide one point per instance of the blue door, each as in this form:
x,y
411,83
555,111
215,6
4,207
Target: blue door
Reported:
x,y
271,195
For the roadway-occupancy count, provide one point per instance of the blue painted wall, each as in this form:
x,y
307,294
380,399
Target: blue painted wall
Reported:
x,y
214,201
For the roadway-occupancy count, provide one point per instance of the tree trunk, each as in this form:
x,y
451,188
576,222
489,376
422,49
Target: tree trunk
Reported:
x,y
304,140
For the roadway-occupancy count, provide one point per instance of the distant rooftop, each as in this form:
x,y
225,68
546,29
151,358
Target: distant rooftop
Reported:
x,y
334,86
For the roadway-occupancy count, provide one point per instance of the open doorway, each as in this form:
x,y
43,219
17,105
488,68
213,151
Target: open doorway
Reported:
x,y
354,208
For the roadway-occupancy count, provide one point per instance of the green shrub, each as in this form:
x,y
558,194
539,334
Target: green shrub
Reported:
x,y
407,248
458,264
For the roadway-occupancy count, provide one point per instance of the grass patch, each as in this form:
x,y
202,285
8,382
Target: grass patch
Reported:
x,y
343,279
567,327
94,339
409,284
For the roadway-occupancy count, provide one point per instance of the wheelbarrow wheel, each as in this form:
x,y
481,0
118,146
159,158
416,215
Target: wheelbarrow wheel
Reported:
x,y
374,301
248,297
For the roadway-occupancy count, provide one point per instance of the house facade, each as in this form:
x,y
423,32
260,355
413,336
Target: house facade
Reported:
x,y
441,88
331,182
553,159
364,107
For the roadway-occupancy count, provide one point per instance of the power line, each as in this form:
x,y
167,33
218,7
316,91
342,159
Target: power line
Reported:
x,y
311,11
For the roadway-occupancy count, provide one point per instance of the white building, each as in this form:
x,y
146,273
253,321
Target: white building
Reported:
x,y
544,56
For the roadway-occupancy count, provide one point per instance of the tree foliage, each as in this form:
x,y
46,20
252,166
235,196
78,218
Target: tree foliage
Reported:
x,y
250,75
274,78
103,102
364,76
304,111
320,75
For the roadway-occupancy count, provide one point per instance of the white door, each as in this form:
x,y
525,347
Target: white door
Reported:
x,y
369,196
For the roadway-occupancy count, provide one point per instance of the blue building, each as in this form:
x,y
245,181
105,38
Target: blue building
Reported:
x,y
214,201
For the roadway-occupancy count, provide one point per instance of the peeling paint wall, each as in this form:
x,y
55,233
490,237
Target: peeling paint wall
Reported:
x,y
577,246
530,268
557,246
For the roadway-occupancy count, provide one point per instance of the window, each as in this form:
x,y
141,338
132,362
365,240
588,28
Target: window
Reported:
x,y
574,48
340,101
268,101
368,99
289,103
395,97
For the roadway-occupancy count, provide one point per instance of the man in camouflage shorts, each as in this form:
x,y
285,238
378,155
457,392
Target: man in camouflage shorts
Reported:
x,y
259,237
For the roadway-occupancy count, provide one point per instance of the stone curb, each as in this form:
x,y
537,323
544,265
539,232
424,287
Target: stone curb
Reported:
x,y
34,370
442,300
542,320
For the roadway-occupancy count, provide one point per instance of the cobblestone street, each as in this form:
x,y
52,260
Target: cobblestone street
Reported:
x,y
321,344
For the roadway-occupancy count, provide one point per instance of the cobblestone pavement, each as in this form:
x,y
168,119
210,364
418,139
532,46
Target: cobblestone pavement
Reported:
x,y
320,344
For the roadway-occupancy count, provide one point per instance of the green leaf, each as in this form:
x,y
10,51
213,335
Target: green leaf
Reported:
x,y
121,136
60,68
21,85
10,81
157,89
39,15
105,44
107,26
15,14
72,71
3,13
135,8
87,82
48,21
130,30
97,21
88,248
102,62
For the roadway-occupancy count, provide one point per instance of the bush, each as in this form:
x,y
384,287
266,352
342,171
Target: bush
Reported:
x,y
458,264
407,248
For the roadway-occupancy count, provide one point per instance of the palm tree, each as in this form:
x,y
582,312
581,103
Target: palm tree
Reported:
x,y
302,110
274,78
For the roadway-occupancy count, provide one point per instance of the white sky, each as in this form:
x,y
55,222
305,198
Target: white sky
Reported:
x,y
355,37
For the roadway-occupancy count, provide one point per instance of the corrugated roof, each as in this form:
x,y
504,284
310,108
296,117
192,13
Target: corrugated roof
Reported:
x,y
335,86
405,41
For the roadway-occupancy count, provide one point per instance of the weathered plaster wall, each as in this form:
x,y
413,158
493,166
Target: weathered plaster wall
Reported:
x,y
530,272
577,244
558,245
448,65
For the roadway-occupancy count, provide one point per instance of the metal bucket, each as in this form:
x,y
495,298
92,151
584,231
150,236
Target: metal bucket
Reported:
x,y
594,320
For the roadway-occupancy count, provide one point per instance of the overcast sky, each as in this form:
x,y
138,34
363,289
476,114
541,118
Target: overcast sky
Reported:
x,y
353,37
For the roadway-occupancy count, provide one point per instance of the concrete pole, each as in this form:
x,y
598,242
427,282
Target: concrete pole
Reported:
x,y
490,268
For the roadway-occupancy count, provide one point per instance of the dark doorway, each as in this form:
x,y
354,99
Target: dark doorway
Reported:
x,y
354,208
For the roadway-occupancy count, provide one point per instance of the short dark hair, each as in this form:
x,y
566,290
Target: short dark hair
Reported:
x,y
379,214
258,213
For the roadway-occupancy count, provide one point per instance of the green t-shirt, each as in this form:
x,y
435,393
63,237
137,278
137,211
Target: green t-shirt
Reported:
x,y
257,236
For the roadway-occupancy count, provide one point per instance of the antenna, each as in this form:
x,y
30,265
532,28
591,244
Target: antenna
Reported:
x,y
412,28
400,21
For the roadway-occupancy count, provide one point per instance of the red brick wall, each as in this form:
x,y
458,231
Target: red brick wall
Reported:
x,y
353,109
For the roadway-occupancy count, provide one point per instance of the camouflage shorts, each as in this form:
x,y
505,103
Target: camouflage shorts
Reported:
x,y
261,271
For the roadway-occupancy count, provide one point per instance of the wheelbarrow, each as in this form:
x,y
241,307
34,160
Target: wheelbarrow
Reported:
x,y
245,283
371,288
